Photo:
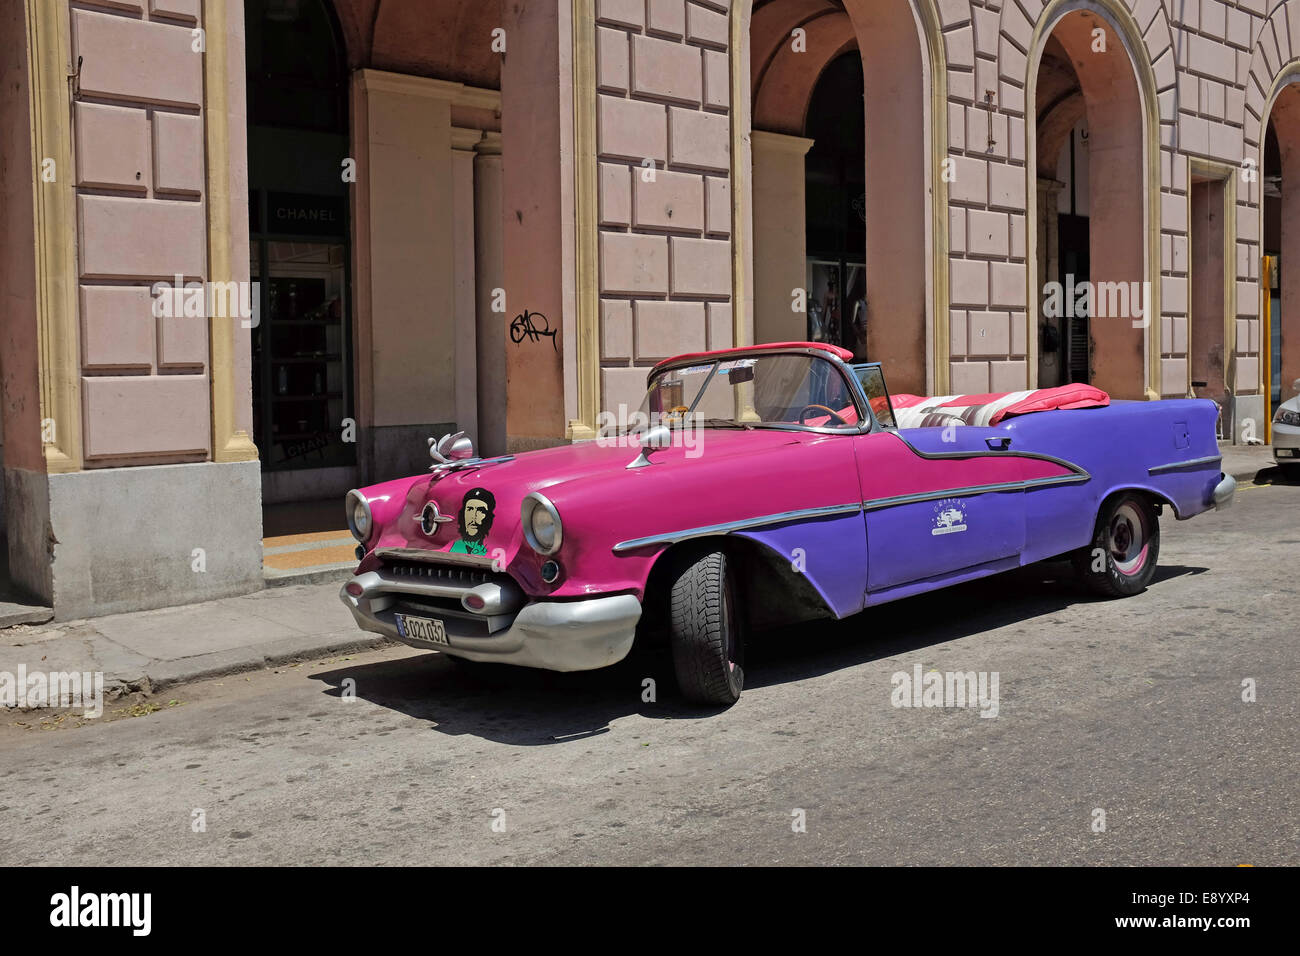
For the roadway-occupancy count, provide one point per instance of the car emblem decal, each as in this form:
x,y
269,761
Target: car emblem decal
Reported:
x,y
949,517
431,517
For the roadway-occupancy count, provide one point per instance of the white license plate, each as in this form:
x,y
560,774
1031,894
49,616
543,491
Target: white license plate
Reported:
x,y
422,629
1284,452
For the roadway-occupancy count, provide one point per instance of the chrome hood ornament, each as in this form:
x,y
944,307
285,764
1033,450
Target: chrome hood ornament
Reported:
x,y
455,452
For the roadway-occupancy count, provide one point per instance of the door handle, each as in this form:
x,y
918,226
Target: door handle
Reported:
x,y
998,444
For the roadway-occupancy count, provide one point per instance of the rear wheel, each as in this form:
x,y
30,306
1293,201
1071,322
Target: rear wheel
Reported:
x,y
1121,560
705,631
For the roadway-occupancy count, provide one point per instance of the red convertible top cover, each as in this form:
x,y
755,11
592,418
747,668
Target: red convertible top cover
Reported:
x,y
916,411
842,354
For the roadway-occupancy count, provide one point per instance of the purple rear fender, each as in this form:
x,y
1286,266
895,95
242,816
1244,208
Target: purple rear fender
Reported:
x,y
1167,449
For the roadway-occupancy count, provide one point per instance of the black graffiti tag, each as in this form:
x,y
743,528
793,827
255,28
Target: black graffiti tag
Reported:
x,y
523,327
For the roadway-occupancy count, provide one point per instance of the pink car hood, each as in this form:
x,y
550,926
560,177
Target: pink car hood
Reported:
x,y
601,502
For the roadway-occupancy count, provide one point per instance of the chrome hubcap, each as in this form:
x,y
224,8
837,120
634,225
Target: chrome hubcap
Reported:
x,y
1128,538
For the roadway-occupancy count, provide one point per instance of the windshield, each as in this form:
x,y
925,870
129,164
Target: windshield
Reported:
x,y
781,389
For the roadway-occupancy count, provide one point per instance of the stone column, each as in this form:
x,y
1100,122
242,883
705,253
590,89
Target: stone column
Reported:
x,y
537,195
489,271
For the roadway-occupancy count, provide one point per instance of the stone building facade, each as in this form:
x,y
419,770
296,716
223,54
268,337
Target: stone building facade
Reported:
x,y
467,214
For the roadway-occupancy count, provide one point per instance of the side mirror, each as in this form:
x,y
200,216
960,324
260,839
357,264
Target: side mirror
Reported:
x,y
660,436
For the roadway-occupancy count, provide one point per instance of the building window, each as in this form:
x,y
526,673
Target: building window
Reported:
x,y
300,384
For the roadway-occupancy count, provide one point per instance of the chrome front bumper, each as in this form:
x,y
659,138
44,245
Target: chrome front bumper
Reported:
x,y
1286,444
551,635
1224,491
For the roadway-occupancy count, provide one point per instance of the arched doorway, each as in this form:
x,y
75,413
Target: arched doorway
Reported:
x,y
1281,236
1094,299
839,254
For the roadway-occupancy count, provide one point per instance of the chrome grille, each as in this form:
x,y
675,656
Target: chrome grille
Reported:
x,y
448,575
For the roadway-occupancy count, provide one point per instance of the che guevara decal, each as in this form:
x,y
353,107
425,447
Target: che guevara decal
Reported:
x,y
474,521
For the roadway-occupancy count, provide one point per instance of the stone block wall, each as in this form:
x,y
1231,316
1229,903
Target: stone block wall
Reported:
x,y
663,142
662,64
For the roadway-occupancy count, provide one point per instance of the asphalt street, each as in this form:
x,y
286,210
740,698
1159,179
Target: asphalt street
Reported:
x,y
1132,707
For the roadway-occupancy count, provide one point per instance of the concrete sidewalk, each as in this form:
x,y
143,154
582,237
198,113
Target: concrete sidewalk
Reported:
x,y
149,650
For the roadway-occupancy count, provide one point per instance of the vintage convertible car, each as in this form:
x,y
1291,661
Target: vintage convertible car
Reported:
x,y
764,486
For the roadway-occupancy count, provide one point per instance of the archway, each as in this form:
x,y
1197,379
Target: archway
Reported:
x,y
798,61
1094,299
1281,235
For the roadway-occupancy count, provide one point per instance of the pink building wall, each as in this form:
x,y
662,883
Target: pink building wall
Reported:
x,y
139,146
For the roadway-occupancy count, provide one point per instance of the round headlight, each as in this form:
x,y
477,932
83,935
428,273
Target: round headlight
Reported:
x,y
358,511
544,529
541,524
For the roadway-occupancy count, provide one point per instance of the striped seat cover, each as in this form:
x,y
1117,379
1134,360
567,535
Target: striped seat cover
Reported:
x,y
916,411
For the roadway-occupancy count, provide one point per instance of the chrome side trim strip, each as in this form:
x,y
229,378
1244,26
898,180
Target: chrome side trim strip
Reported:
x,y
1175,465
990,453
971,490
727,527
875,504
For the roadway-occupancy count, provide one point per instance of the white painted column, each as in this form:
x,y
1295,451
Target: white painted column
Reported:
x,y
780,241
490,340
463,289
406,297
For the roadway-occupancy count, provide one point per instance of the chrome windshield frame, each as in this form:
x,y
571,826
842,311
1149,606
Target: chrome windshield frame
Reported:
x,y
866,424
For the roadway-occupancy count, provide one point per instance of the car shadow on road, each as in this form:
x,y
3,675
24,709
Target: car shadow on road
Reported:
x,y
515,705
965,612
1275,475
524,707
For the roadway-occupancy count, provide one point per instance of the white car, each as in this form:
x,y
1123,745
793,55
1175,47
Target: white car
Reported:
x,y
1286,435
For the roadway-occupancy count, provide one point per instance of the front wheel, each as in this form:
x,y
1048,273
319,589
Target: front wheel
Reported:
x,y
1121,560
705,632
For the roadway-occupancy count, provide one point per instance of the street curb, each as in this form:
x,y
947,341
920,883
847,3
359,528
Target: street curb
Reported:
x,y
14,614
323,575
241,660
